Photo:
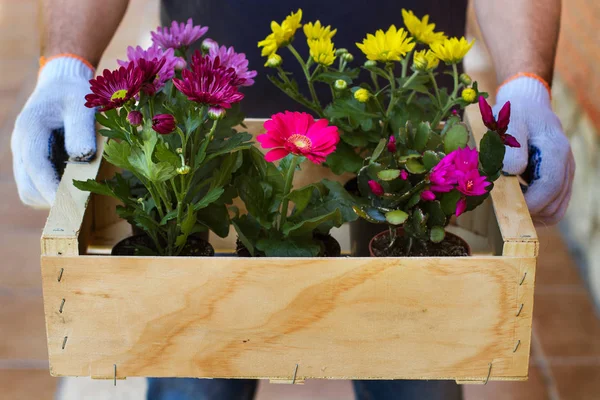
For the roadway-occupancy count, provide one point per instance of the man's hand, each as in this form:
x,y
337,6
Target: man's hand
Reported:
x,y
56,103
544,159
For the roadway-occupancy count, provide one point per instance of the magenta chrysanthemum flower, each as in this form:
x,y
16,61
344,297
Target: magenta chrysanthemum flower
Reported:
x,y
164,123
298,133
443,175
179,35
209,82
112,89
461,206
501,125
472,183
230,59
135,118
376,188
154,57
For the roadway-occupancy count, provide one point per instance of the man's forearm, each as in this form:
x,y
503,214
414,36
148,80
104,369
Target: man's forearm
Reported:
x,y
521,35
81,27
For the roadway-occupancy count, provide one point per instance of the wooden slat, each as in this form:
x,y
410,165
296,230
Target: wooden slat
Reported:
x,y
414,318
512,214
63,226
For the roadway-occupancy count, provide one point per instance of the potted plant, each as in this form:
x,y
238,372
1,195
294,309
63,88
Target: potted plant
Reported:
x,y
171,132
394,112
268,229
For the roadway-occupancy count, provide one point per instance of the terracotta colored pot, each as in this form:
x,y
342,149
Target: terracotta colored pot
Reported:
x,y
400,231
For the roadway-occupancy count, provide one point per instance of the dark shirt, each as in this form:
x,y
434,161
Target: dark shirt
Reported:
x,y
243,23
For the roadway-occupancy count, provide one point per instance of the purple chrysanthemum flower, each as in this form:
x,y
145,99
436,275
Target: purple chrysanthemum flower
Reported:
x,y
153,57
179,35
209,82
238,61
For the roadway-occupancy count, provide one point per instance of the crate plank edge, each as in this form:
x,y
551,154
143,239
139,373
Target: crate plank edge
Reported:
x,y
288,319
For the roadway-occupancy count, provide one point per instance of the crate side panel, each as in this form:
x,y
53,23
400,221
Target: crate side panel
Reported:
x,y
339,318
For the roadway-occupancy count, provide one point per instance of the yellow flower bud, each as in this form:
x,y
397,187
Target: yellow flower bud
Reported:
x,y
465,78
273,61
340,84
183,170
362,95
469,95
347,57
370,64
179,150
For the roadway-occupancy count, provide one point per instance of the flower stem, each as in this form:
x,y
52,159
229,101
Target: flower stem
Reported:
x,y
311,87
289,178
437,90
405,63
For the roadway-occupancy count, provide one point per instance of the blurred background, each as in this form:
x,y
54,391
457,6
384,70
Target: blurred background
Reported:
x,y
565,362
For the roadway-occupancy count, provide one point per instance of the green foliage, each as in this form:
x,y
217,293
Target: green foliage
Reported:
x,y
491,153
456,137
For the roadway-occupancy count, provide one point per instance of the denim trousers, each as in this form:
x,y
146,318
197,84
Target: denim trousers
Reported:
x,y
244,389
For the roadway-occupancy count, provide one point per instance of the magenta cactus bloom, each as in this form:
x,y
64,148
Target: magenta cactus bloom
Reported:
x,y
461,206
403,175
376,188
501,124
179,35
466,159
209,82
391,145
230,59
135,118
164,123
298,133
472,183
112,89
159,66
443,175
427,195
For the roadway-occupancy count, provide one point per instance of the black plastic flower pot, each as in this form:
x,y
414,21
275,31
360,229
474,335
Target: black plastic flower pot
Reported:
x,y
196,246
331,247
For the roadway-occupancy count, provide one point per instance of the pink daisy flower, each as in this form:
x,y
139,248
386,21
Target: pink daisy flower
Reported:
x,y
298,133
112,89
230,59
179,35
209,83
156,81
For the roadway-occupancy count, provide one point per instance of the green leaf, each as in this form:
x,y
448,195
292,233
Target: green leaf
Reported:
x,y
422,135
430,159
415,167
355,138
370,214
378,150
289,247
117,153
413,201
307,226
165,155
491,153
456,137
216,218
186,227
448,202
436,216
257,203
248,231
437,234
112,134
396,217
388,174
237,142
96,187
301,197
229,164
331,76
210,197
344,159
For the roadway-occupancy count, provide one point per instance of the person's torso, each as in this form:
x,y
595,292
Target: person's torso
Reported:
x,y
243,23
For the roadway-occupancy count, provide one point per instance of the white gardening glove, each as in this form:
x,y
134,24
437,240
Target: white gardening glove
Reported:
x,y
56,103
544,158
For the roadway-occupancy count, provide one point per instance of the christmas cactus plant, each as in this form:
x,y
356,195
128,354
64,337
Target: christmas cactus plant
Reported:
x,y
271,227
169,119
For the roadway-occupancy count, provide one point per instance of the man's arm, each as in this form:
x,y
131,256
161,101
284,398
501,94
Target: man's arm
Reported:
x,y
83,28
521,35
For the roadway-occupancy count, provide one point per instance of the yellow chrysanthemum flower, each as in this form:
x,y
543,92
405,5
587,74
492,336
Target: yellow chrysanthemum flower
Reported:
x,y
322,51
425,60
317,31
273,61
421,29
387,46
281,34
469,95
362,95
452,50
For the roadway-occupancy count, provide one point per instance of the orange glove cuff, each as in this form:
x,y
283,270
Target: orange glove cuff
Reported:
x,y
528,75
44,60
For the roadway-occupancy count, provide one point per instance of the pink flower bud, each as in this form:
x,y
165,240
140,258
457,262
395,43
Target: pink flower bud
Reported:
x,y
135,118
427,195
180,64
461,206
391,146
376,188
216,113
164,123
403,175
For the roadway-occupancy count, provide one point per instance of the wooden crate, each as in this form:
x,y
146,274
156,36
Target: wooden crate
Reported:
x,y
467,319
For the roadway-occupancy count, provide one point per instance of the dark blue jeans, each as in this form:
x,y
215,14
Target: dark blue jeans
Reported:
x,y
244,389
